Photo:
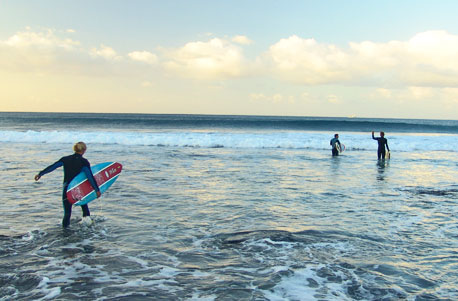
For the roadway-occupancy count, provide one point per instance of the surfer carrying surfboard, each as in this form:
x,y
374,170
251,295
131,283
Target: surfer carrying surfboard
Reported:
x,y
73,165
336,146
382,142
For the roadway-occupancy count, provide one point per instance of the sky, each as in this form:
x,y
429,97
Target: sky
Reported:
x,y
381,59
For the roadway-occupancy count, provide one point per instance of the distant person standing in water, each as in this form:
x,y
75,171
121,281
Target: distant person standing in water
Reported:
x,y
335,143
382,141
73,165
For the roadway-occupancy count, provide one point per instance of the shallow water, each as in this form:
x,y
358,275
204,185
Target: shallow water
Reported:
x,y
234,223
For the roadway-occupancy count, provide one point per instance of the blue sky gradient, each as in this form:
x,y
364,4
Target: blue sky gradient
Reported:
x,y
312,58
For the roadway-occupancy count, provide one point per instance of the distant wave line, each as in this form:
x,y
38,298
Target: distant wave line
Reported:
x,y
284,140
158,121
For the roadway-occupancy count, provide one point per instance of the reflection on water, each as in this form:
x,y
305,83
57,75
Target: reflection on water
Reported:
x,y
251,224
382,166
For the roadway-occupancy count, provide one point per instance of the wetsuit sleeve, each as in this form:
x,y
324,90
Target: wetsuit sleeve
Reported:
x,y
386,142
90,177
373,137
51,168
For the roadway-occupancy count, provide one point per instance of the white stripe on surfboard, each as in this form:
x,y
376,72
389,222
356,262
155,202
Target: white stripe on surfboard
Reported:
x,y
92,174
110,180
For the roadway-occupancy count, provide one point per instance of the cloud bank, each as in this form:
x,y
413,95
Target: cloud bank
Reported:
x,y
144,57
428,59
215,59
293,75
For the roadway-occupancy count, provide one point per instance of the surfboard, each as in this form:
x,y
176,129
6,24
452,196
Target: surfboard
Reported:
x,y
80,191
341,148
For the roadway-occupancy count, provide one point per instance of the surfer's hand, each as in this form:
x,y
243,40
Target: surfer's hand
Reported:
x,y
98,194
37,177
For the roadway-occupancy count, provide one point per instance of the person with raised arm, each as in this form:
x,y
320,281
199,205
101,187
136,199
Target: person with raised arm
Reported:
x,y
382,142
73,165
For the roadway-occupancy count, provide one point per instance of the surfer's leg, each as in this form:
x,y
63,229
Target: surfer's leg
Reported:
x,y
383,154
67,213
67,208
85,209
379,154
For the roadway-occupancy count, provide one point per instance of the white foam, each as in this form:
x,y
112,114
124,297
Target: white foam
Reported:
x,y
50,292
168,272
274,270
86,221
266,139
141,262
296,287
33,234
200,274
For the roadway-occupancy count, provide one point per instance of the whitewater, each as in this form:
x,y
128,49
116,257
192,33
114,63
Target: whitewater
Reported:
x,y
232,208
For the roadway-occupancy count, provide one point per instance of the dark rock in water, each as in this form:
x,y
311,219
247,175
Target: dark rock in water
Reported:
x,y
22,281
335,279
325,273
312,283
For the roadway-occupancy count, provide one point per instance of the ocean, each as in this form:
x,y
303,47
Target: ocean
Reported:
x,y
232,208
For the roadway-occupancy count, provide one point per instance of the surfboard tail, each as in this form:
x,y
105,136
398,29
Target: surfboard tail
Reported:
x,y
92,196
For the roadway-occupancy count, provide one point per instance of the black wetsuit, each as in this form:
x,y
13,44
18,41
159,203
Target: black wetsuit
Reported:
x,y
334,142
73,165
382,141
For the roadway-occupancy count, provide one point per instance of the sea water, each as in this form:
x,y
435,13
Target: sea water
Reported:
x,y
232,208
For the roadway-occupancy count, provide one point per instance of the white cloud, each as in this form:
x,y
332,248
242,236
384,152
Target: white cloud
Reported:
x,y
105,52
243,40
48,44
427,59
29,51
143,56
50,51
306,61
257,96
275,98
420,92
215,59
334,99
44,41
436,96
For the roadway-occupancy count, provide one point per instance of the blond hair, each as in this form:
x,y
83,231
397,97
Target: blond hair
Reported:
x,y
79,147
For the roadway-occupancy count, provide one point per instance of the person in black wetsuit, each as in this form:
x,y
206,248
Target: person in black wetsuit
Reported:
x,y
382,141
73,165
335,143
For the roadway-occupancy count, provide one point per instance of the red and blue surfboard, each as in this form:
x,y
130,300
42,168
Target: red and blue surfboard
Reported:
x,y
80,191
